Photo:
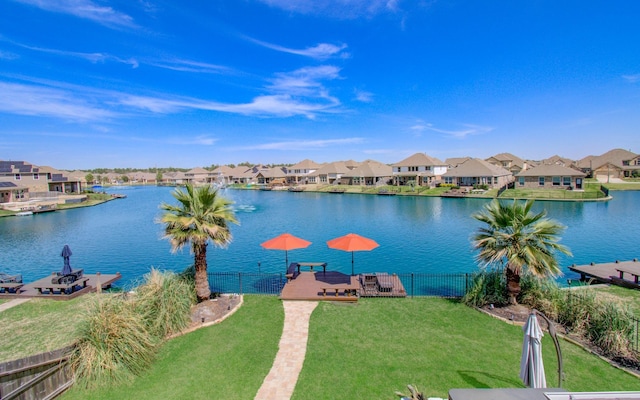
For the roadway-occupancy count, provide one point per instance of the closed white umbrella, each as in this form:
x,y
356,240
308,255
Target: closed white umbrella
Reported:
x,y
531,366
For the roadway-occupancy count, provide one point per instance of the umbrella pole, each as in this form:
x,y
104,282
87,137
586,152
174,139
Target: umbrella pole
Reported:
x,y
352,270
286,260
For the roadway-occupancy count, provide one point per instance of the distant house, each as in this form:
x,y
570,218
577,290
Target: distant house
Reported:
x,y
198,176
300,172
421,169
223,175
455,161
617,163
550,176
37,179
509,162
368,173
272,176
475,172
330,173
557,160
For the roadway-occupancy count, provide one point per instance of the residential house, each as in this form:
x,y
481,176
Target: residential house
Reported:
x,y
175,178
37,179
616,163
368,173
198,176
421,169
475,171
550,176
272,176
509,162
223,175
557,160
300,172
330,173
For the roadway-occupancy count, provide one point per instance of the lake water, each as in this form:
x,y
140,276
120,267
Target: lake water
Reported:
x,y
421,235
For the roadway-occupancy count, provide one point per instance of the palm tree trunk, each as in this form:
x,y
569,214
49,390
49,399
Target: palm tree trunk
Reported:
x,y
202,280
513,284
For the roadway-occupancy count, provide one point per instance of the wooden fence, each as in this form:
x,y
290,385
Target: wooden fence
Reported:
x,y
39,377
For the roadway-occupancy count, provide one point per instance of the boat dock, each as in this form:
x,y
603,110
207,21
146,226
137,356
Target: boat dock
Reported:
x,y
39,289
622,273
336,286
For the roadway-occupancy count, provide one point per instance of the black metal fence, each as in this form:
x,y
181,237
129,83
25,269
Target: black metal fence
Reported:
x,y
433,285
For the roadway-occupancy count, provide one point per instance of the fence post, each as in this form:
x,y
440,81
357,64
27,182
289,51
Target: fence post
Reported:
x,y
412,286
240,281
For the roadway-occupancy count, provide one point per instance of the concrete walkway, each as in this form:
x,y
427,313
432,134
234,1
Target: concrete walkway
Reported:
x,y
12,303
282,378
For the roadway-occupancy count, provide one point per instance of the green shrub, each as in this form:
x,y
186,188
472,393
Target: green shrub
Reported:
x,y
543,294
488,287
611,328
164,302
113,343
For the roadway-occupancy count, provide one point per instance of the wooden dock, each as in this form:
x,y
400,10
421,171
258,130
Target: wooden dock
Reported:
x,y
28,290
622,273
336,286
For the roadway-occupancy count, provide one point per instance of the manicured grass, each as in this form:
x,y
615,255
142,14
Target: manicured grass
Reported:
x,y
37,326
225,361
589,193
370,350
92,200
628,297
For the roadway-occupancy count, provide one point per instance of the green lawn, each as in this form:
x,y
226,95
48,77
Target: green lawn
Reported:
x,y
225,361
362,351
628,297
589,193
37,326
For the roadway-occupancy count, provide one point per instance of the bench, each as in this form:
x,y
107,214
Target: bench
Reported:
x,y
632,273
293,271
10,287
349,290
63,288
385,283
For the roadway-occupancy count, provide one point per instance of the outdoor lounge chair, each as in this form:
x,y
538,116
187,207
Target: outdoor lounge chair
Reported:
x,y
61,279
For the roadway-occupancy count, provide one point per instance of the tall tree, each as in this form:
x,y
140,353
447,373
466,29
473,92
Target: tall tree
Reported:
x,y
202,215
518,239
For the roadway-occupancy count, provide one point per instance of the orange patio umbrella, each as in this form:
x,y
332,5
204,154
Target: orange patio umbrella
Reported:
x,y
352,242
285,242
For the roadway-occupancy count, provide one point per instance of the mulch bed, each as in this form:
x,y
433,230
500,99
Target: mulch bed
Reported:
x,y
214,309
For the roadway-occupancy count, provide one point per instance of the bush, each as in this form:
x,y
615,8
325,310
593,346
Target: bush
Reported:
x,y
113,343
611,328
488,287
543,294
164,302
119,335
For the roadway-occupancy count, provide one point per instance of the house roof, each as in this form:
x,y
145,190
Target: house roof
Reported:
x,y
455,161
613,157
5,185
515,160
305,164
338,167
16,167
224,170
418,159
551,170
476,167
370,168
197,171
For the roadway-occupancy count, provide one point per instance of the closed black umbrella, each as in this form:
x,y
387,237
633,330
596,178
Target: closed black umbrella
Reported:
x,y
66,253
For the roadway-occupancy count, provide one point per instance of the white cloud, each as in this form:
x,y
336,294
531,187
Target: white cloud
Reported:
x,y
85,9
365,97
201,140
91,57
7,56
342,9
468,130
304,144
189,66
320,51
632,78
44,101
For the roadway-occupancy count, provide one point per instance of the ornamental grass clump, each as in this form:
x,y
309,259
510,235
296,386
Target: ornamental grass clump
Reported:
x,y
488,287
543,294
164,302
113,343
611,329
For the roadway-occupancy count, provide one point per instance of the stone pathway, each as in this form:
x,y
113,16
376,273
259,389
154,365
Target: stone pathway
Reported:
x,y
12,303
282,378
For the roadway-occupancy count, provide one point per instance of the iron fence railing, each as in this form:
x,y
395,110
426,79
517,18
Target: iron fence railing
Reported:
x,y
434,285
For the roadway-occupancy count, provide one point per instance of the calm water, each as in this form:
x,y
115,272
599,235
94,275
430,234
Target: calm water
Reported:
x,y
427,235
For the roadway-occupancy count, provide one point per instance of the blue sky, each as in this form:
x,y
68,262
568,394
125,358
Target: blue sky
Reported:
x,y
143,83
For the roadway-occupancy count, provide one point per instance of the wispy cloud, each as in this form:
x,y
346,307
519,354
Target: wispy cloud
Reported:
x,y
91,57
365,97
4,55
468,130
85,9
188,66
202,140
321,51
631,78
24,99
304,144
343,9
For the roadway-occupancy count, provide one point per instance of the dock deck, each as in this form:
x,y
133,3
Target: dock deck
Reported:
x,y
323,286
28,290
609,272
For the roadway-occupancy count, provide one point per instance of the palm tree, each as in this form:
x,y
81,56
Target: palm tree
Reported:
x,y
201,216
521,239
